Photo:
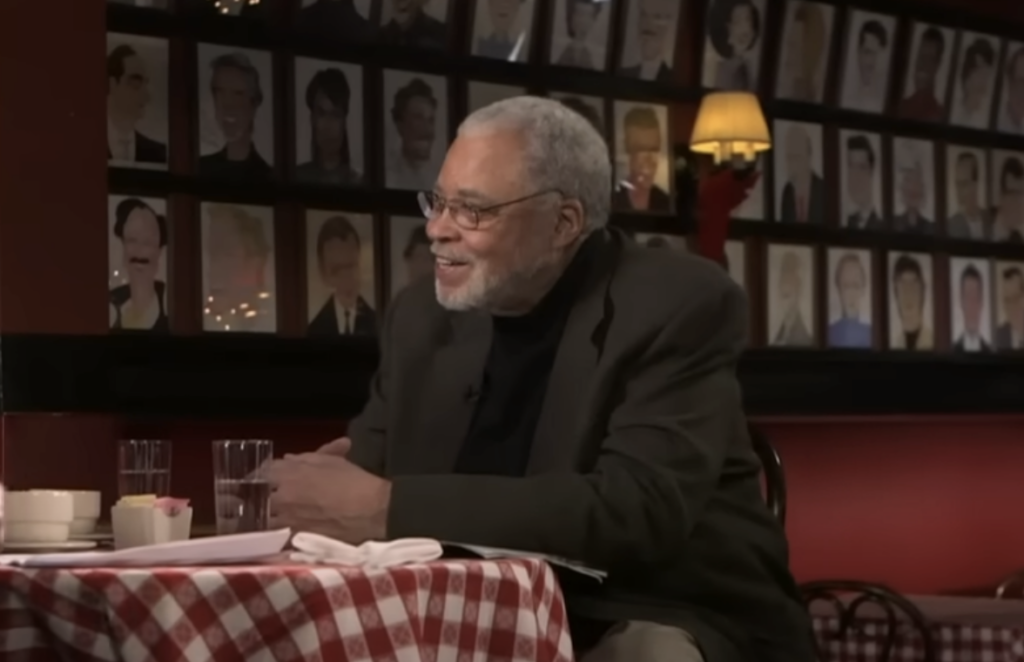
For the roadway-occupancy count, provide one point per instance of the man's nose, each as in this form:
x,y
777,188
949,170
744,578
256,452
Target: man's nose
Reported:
x,y
442,227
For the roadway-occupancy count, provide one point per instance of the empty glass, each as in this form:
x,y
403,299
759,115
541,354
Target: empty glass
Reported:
x,y
240,490
144,467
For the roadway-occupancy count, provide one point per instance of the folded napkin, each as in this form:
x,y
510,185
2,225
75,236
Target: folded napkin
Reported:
x,y
314,548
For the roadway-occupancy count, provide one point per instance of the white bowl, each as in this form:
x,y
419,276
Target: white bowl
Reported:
x,y
83,526
87,504
41,506
36,532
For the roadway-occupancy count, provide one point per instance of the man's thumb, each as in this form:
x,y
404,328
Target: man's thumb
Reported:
x,y
339,447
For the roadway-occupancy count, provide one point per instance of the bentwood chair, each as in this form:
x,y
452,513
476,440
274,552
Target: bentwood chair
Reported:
x,y
1011,587
847,597
774,474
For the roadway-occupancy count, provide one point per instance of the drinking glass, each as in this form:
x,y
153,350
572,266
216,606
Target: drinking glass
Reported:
x,y
144,467
240,490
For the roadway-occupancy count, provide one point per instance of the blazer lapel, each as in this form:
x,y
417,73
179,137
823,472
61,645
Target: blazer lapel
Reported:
x,y
572,384
453,387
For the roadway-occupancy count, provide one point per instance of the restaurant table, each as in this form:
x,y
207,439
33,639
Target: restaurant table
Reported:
x,y
509,610
964,630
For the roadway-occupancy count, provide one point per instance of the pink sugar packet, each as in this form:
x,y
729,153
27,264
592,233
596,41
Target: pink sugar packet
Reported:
x,y
171,506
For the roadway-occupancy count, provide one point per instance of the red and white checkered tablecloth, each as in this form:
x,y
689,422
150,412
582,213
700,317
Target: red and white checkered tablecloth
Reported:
x,y
509,610
954,642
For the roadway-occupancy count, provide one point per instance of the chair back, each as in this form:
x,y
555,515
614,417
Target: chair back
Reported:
x,y
774,475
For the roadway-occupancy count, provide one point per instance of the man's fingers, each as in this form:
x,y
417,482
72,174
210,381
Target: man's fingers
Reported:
x,y
338,447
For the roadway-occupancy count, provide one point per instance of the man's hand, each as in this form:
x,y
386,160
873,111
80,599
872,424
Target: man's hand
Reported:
x,y
325,493
339,447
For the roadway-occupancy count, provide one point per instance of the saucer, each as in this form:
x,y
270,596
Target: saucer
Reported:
x,y
68,545
97,536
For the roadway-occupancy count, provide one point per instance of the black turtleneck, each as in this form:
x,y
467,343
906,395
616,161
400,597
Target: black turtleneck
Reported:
x,y
516,375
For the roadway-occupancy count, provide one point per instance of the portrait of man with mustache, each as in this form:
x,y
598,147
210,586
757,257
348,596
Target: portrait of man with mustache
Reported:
x,y
138,287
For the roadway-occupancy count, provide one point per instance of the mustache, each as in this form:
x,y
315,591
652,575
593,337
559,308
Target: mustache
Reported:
x,y
140,260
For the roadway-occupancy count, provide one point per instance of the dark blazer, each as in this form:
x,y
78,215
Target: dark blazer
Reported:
x,y
873,222
338,20
815,205
147,150
326,321
958,346
641,463
659,200
664,74
921,225
425,32
1003,338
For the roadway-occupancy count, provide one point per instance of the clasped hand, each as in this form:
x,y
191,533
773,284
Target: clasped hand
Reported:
x,y
324,493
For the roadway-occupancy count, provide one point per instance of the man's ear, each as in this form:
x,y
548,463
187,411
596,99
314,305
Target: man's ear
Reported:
x,y
571,223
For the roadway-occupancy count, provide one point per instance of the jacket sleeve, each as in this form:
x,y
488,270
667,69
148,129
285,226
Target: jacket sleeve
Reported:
x,y
368,431
659,463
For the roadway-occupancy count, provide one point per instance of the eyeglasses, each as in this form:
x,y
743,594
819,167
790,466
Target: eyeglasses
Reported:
x,y
466,216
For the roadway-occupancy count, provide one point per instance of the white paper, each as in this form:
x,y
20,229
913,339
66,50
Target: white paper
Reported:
x,y
498,553
217,550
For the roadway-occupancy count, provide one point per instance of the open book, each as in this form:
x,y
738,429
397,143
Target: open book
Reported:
x,y
498,553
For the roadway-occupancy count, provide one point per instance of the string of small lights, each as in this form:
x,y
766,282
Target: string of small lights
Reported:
x,y
232,6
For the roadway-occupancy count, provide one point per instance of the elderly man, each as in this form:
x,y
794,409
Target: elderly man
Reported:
x,y
546,392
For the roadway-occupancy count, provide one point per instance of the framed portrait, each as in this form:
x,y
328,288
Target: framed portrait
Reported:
x,y
1009,289
970,297
736,262
353,22
329,134
734,37
236,116
137,239
239,278
1008,196
850,299
753,206
410,256
791,296
968,214
974,78
672,242
911,314
867,61
926,73
137,134
422,24
142,4
643,169
913,186
579,33
480,94
1010,109
860,170
804,56
502,29
415,129
649,40
800,195
592,108
341,289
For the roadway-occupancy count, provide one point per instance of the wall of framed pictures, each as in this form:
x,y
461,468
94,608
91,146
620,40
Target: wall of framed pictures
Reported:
x,y
265,157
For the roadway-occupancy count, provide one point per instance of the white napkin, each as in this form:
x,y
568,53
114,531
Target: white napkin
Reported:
x,y
314,548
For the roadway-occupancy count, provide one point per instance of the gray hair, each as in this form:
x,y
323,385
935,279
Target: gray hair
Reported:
x,y
562,150
240,62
